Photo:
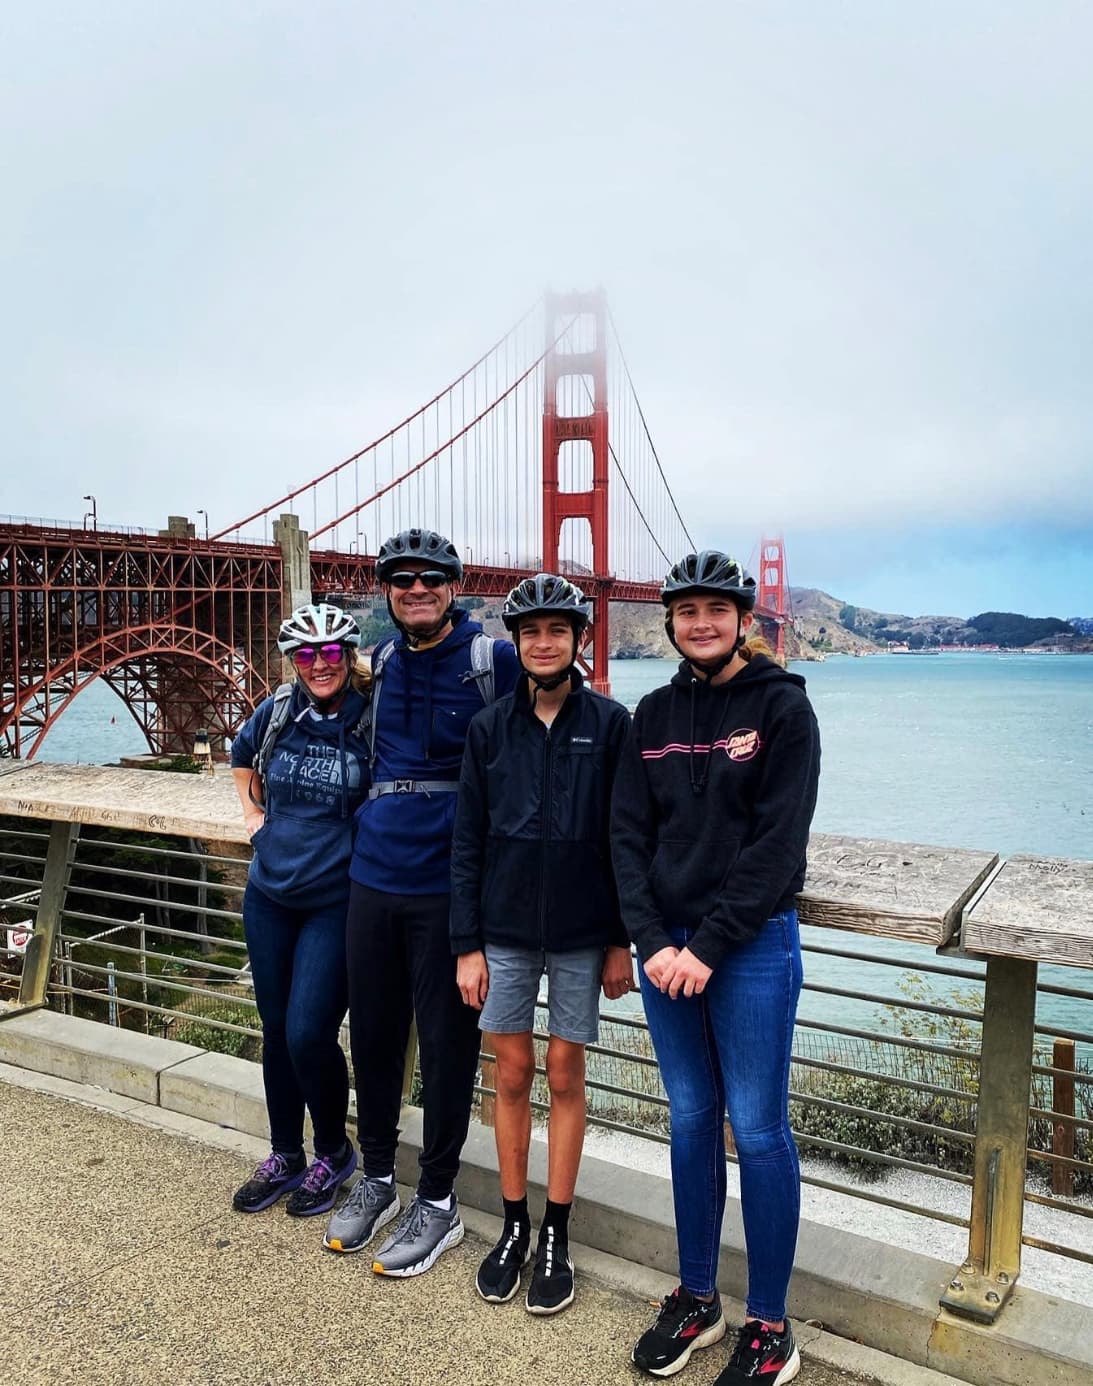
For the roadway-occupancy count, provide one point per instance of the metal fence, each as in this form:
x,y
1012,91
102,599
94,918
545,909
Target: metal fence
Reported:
x,y
886,1070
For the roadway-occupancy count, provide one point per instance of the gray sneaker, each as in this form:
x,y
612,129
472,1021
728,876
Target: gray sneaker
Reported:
x,y
419,1239
371,1204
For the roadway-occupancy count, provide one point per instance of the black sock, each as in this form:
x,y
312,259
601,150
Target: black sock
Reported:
x,y
516,1211
557,1216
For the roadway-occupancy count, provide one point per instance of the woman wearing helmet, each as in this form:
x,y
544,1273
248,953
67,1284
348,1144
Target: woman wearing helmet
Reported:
x,y
710,821
532,892
300,766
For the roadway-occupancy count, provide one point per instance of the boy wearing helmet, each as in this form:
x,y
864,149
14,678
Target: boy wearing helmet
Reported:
x,y
299,784
532,893
710,822
400,964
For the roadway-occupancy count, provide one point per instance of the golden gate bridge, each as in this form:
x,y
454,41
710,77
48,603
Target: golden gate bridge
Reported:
x,y
537,457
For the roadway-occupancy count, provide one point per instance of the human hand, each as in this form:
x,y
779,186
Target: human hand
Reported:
x,y
472,977
660,965
253,821
688,976
618,973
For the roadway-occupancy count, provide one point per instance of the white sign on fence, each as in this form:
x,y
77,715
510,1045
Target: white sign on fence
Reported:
x,y
19,937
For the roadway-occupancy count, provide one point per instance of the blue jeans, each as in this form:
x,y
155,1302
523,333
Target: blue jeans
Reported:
x,y
730,1048
297,959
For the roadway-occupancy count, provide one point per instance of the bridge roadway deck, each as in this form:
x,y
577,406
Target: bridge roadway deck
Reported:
x,y
122,1264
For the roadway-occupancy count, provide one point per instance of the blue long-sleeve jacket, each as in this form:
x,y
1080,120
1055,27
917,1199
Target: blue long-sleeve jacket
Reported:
x,y
402,844
316,777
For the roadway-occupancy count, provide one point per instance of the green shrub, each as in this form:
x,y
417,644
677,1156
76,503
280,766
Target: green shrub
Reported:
x,y
204,1036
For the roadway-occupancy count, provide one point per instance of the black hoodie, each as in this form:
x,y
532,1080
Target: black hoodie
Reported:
x,y
712,804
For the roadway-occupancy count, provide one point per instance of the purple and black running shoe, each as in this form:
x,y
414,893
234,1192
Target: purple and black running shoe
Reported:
x,y
276,1176
318,1190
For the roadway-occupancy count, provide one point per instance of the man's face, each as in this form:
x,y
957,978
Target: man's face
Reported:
x,y
546,645
706,625
419,593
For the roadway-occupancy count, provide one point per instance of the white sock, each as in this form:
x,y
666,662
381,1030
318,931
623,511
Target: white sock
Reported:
x,y
383,1178
444,1204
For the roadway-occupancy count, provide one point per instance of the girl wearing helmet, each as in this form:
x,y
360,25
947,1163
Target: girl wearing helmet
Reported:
x,y
532,892
301,769
710,821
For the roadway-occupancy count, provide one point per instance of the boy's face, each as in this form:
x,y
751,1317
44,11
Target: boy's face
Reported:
x,y
546,645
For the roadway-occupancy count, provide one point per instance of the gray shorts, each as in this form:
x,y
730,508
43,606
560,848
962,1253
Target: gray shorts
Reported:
x,y
573,992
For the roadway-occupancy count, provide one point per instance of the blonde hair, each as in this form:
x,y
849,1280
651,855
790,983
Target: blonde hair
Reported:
x,y
360,671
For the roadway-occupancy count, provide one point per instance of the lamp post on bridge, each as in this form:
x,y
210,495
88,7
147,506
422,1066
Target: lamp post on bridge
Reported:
x,y
93,512
206,514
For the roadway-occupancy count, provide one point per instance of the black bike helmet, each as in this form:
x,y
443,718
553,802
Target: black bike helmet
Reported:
x,y
424,544
710,571
545,594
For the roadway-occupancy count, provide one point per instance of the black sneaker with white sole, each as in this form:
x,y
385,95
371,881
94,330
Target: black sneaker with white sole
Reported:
x,y
683,1324
498,1276
763,1355
551,1289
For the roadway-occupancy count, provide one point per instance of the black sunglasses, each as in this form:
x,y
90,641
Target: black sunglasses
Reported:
x,y
431,577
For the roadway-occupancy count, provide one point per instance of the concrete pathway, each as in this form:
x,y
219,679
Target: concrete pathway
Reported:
x,y
122,1264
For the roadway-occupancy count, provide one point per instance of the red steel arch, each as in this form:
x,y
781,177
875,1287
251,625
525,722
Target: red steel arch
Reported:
x,y
183,629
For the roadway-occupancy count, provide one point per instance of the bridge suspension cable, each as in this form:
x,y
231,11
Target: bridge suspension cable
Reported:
x,y
470,461
471,374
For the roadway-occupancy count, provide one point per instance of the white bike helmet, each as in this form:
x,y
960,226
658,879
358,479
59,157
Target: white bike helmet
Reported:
x,y
317,624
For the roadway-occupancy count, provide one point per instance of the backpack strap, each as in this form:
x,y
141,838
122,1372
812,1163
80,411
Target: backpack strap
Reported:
x,y
366,727
481,670
282,702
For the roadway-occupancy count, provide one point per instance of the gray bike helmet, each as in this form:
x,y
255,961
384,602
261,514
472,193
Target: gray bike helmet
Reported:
x,y
710,571
317,624
546,595
423,544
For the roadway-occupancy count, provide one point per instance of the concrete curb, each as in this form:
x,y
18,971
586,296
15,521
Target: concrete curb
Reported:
x,y
883,1297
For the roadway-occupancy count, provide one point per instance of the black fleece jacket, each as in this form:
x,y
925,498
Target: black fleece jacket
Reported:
x,y
531,854
711,809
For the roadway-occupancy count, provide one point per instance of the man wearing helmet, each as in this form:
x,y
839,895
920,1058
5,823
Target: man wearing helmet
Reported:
x,y
300,766
400,962
532,893
710,822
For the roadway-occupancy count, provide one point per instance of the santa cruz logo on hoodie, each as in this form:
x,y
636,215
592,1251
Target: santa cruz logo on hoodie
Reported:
x,y
743,744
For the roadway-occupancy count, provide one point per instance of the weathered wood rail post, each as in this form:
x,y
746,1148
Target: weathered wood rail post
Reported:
x,y
1035,909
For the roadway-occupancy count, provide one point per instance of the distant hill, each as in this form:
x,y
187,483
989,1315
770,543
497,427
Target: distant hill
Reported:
x,y
821,624
825,623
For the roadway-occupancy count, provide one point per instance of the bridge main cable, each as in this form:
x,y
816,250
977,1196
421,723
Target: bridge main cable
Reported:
x,y
462,433
385,437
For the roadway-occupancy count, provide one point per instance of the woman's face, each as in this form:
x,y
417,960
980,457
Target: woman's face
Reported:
x,y
323,669
707,625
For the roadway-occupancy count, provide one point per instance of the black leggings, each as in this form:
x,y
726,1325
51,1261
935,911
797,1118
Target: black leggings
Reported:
x,y
401,965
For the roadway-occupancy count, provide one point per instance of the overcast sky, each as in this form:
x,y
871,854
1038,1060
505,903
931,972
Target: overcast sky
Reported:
x,y
847,245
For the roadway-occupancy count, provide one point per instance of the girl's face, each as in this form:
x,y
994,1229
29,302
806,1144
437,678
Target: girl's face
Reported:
x,y
707,625
546,645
